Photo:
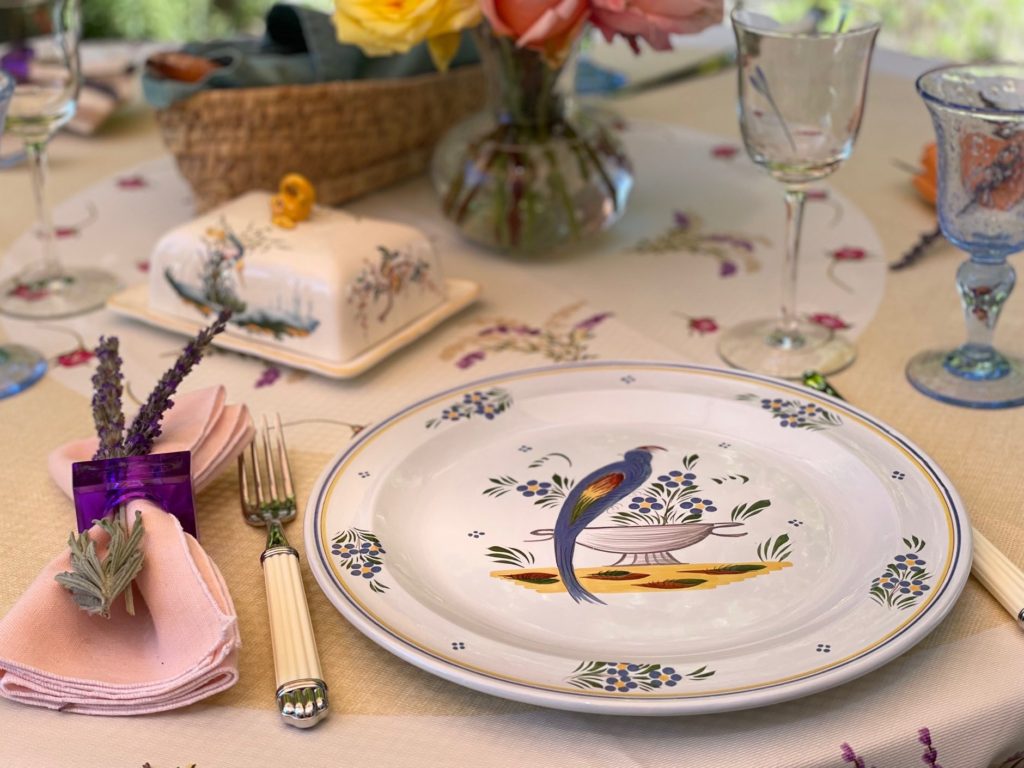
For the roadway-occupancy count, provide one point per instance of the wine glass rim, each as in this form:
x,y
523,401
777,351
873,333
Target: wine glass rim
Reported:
x,y
870,22
993,66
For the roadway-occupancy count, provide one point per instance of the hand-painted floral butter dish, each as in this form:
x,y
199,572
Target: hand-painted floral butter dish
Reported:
x,y
333,293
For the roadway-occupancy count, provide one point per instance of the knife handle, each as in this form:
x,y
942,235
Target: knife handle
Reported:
x,y
301,690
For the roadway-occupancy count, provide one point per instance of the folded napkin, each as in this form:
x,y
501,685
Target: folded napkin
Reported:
x,y
300,46
200,422
182,643
179,647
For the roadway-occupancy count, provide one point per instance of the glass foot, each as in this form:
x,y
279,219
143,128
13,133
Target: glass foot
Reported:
x,y
759,347
73,292
20,368
930,373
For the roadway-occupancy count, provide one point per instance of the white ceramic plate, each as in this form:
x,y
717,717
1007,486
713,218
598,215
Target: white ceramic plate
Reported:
x,y
782,544
133,302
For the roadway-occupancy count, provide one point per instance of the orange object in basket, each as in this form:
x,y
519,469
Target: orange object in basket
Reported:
x,y
926,182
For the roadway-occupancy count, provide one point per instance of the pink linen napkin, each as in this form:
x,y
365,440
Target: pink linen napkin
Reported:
x,y
182,644
200,422
179,647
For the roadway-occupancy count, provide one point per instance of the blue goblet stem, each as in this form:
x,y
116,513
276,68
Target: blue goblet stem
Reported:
x,y
984,286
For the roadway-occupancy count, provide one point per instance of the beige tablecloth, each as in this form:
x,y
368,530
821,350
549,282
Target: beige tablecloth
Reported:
x,y
962,683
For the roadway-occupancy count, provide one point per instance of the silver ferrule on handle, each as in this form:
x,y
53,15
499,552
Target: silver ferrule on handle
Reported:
x,y
301,691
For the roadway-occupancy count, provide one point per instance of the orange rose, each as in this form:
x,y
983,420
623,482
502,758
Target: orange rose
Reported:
x,y
550,26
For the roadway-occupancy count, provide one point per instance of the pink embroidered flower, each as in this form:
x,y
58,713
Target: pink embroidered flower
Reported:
x,y
817,194
703,325
826,320
142,266
550,26
132,182
29,292
724,151
75,357
654,20
849,253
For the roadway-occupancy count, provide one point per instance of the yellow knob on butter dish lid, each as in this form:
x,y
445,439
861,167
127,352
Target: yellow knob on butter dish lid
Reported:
x,y
293,202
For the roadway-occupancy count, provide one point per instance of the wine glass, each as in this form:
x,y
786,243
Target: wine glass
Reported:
x,y
20,367
803,72
978,113
39,47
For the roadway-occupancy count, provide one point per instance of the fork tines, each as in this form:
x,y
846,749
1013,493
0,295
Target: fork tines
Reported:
x,y
269,461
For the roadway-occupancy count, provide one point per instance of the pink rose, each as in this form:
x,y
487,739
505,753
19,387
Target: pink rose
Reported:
x,y
654,20
545,25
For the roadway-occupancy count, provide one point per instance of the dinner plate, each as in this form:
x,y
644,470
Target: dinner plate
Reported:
x,y
638,538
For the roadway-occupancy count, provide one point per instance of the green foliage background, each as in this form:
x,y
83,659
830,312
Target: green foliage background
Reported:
x,y
951,29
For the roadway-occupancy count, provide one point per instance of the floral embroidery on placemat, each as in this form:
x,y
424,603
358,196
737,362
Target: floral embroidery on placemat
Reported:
x,y
558,339
730,249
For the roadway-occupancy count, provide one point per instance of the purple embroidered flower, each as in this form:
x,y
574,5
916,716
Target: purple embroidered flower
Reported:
x,y
269,375
931,755
682,220
593,321
850,756
471,359
727,268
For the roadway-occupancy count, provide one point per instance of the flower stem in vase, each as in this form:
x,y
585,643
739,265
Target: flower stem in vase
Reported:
x,y
529,173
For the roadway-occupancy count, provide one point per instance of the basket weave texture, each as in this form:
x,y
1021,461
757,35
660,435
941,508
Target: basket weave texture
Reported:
x,y
348,137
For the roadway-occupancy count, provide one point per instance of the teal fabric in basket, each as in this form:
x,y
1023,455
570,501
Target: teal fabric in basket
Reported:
x,y
299,47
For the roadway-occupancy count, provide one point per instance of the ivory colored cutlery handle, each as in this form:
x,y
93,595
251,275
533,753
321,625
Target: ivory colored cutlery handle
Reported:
x,y
999,576
301,691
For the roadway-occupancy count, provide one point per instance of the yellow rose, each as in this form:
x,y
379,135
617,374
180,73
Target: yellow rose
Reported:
x,y
383,27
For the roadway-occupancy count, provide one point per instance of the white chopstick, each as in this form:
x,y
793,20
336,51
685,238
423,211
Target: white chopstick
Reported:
x,y
1003,579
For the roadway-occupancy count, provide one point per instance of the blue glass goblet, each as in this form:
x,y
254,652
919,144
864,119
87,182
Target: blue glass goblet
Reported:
x,y
20,367
978,113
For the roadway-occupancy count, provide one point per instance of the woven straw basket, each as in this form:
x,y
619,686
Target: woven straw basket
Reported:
x,y
347,137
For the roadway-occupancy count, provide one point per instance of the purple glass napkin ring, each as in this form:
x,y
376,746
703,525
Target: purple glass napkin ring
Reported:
x,y
165,479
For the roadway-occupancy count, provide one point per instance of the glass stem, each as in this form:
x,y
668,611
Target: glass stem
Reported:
x,y
984,287
36,152
787,335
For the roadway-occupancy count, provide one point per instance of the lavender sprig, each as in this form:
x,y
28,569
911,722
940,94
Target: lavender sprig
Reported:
x,y
106,400
920,248
145,427
931,755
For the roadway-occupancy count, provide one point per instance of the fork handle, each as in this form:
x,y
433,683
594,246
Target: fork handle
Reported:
x,y
301,691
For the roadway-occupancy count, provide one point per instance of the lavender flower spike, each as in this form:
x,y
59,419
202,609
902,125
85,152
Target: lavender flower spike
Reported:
x,y
145,427
106,400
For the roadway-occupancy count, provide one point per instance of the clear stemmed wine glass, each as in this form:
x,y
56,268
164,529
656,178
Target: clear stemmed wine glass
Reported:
x,y
803,72
978,113
39,47
20,367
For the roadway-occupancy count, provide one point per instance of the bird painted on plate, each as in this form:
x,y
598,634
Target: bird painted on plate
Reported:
x,y
596,493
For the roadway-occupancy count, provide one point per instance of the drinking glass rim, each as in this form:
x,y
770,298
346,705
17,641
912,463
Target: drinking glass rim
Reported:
x,y
871,25
974,110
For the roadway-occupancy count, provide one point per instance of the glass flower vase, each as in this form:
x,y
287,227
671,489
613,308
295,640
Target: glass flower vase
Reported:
x,y
532,171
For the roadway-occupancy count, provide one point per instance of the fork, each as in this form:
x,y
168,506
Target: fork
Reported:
x,y
301,690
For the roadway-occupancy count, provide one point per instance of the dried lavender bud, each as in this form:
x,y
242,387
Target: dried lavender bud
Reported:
x,y
106,399
920,248
145,427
